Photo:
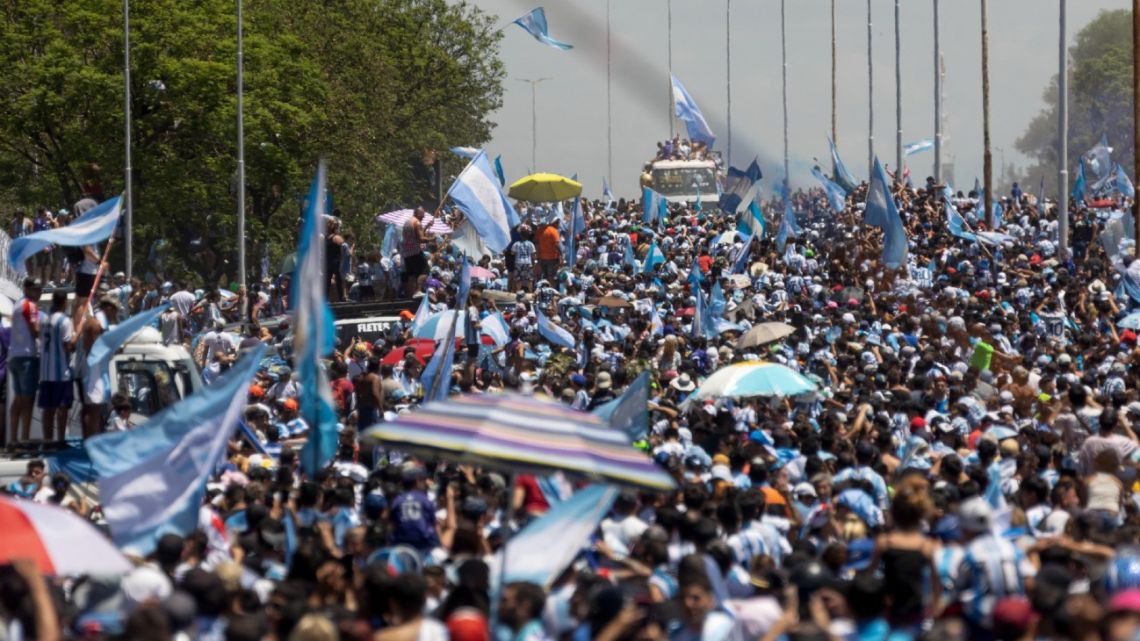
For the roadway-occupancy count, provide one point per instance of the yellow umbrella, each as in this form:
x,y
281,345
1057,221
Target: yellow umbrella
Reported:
x,y
545,188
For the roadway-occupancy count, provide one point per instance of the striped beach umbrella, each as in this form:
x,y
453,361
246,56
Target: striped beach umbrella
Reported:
x,y
57,540
754,378
515,433
432,224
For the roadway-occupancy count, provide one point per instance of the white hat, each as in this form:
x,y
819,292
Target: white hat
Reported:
x,y
975,515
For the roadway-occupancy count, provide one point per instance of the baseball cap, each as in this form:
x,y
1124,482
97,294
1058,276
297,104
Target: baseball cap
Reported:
x,y
975,515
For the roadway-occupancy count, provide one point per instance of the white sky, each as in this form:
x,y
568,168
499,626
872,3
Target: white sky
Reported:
x,y
572,105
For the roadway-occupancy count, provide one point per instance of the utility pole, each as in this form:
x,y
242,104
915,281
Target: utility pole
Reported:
x,y
784,58
937,101
1063,134
870,100
834,128
609,101
533,118
241,167
898,99
728,73
669,60
1135,106
987,158
128,208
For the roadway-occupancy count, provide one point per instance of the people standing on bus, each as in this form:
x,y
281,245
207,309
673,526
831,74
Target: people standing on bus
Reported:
x,y
24,359
57,341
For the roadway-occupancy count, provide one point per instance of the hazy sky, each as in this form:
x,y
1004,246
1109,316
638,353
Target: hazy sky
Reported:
x,y
572,104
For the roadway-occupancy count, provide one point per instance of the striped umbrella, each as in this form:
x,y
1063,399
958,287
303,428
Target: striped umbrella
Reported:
x,y
517,433
437,326
754,378
400,216
57,540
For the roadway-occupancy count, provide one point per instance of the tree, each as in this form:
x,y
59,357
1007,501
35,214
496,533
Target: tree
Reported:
x,y
1100,100
367,83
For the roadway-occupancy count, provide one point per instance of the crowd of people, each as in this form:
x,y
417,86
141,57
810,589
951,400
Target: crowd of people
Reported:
x,y
966,468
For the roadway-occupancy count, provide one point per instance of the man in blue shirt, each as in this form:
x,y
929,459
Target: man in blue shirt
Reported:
x,y
413,513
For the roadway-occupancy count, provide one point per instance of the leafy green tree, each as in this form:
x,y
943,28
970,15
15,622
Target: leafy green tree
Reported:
x,y
370,84
1100,100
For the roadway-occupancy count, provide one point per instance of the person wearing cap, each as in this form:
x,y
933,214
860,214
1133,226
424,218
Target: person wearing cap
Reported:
x,y
991,568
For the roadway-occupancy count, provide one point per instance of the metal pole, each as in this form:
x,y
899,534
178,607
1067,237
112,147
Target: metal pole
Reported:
x,y
834,120
241,165
1063,137
937,102
870,100
728,72
1135,106
128,233
784,58
534,125
609,102
669,45
987,158
898,98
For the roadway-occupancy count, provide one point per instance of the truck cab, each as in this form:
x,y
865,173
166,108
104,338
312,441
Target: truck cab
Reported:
x,y
683,181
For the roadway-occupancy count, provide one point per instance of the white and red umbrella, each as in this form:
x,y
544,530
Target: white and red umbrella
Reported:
x,y
481,273
400,216
59,541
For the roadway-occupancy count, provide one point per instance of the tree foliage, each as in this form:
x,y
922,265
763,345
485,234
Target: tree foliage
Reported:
x,y
1100,100
370,84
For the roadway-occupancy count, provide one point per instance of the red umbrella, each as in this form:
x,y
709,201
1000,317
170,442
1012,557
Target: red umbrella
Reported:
x,y
688,311
423,348
59,542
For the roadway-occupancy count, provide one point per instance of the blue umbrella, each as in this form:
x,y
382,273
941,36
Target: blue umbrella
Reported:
x,y
1001,432
754,378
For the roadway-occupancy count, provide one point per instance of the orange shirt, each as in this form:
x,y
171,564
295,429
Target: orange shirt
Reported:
x,y
548,243
706,263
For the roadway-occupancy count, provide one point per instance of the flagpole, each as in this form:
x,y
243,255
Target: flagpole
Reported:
x,y
987,157
533,120
241,165
870,99
669,60
784,80
937,101
609,101
834,119
728,72
898,98
1135,106
1063,138
128,232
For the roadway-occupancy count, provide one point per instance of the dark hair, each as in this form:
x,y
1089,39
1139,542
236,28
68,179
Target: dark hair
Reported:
x,y
531,595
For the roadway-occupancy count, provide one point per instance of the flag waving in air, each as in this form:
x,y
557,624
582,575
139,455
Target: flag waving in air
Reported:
x,y
881,212
839,170
687,111
738,185
479,194
836,195
94,226
534,23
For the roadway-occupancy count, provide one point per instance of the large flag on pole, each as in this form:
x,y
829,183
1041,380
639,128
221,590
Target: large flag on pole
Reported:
x,y
94,226
99,356
607,193
313,332
956,223
534,23
687,111
478,193
751,222
1099,158
553,333
918,146
738,184
882,213
152,478
839,170
836,195
629,412
1080,183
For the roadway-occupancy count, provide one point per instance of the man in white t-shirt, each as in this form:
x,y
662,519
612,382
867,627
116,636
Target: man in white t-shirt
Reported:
x,y
24,359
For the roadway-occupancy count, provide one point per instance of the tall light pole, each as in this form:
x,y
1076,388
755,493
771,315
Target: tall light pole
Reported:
x,y
987,157
834,120
241,165
128,232
937,101
728,72
1135,107
870,99
533,118
784,80
609,101
898,98
669,60
1063,136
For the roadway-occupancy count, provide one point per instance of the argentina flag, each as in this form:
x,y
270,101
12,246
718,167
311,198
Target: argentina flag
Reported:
x,y
553,333
94,226
738,186
478,193
534,23
918,146
654,207
687,111
882,213
313,332
836,195
99,357
839,170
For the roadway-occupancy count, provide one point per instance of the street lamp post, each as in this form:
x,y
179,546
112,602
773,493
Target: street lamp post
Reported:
x,y
533,118
1063,138
241,166
128,196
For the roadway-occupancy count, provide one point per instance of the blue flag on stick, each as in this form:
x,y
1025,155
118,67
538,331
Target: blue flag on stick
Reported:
x,y
94,226
839,170
687,111
882,213
534,23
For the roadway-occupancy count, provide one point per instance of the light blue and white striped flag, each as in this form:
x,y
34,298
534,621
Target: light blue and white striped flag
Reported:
x,y
836,195
313,332
94,226
152,478
607,193
534,23
477,192
553,333
839,170
496,327
687,111
630,411
99,357
465,152
918,146
881,212
751,221
1123,184
739,187
654,207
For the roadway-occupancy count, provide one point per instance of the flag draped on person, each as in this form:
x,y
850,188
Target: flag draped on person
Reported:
x,y
881,212
553,333
94,226
836,195
152,478
741,262
479,195
535,24
738,187
918,146
687,111
627,252
314,334
839,170
630,411
654,207
99,357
